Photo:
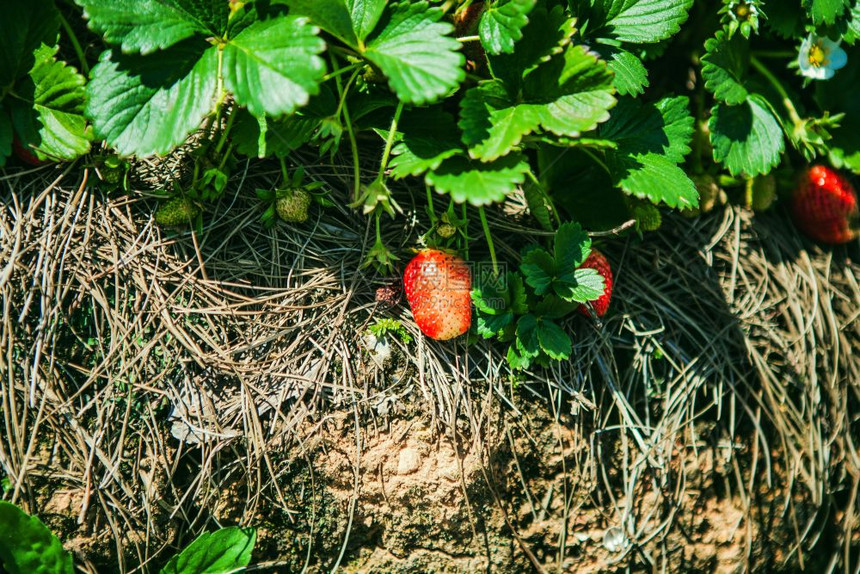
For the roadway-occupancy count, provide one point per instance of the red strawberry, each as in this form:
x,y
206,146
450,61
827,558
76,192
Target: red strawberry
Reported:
x,y
596,260
25,155
824,206
437,286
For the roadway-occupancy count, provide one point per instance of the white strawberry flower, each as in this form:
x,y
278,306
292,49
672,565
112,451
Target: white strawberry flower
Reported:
x,y
819,57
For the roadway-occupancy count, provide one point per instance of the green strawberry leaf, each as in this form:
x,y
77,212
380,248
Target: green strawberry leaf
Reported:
x,y
653,177
428,138
6,136
492,122
490,326
528,344
415,50
652,138
273,66
538,268
558,272
50,119
582,187
497,301
553,307
147,105
569,94
350,21
553,340
28,547
640,21
724,67
588,285
546,34
23,28
664,127
825,11
219,552
536,199
517,361
502,24
570,248
287,134
747,138
839,96
146,26
631,75
852,34
782,18
477,182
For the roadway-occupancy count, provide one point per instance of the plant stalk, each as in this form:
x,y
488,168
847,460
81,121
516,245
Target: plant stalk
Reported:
x,y
489,237
389,142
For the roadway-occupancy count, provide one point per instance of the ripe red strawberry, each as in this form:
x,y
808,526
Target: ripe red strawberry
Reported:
x,y
596,260
824,206
25,155
437,286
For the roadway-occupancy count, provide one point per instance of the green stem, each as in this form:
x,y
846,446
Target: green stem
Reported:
x,y
748,193
223,139
225,157
389,143
489,237
545,196
599,161
430,204
353,143
464,39
353,146
284,175
341,71
464,215
786,100
774,54
85,67
378,233
344,92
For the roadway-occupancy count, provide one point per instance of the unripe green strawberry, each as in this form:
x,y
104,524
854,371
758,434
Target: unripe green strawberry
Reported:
x,y
763,192
446,230
176,212
292,205
373,75
112,175
710,193
645,213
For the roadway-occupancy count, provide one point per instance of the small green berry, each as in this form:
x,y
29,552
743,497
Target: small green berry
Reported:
x,y
645,213
764,192
292,205
446,230
176,212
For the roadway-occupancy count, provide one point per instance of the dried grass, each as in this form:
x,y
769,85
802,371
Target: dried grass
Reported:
x,y
727,372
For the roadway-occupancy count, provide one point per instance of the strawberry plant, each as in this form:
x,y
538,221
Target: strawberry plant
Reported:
x,y
524,307
599,112
41,98
27,546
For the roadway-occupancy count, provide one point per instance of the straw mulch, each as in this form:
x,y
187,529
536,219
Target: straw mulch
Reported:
x,y
156,384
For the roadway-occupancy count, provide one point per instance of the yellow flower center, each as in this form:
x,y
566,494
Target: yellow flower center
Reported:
x,y
742,11
817,55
